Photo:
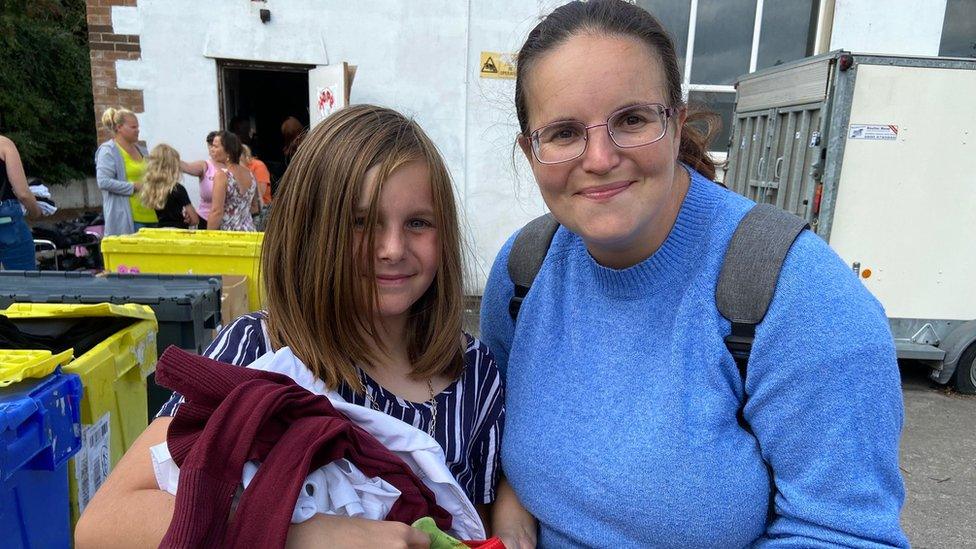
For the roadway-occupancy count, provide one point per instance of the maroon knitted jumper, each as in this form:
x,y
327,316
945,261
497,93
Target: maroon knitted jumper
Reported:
x,y
233,415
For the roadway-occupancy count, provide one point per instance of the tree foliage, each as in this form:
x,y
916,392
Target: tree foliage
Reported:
x,y
45,87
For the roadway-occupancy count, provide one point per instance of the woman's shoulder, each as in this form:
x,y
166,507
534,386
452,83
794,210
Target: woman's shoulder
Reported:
x,y
179,194
241,341
108,147
479,359
253,319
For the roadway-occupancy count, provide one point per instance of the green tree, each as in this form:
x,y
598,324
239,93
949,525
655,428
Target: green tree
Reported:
x,y
45,87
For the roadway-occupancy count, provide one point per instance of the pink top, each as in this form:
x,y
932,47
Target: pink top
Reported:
x,y
206,190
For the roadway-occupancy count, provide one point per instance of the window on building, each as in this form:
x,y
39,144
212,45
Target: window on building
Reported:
x,y
959,29
719,40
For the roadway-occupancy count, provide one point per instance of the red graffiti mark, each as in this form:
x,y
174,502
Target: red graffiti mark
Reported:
x,y
326,98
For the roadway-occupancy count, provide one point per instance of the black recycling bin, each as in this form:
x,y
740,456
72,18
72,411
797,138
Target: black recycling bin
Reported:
x,y
187,307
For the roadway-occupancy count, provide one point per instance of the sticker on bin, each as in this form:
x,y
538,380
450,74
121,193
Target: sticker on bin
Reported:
x,y
94,462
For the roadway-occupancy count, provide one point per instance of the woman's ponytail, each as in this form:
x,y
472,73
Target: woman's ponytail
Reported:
x,y
697,133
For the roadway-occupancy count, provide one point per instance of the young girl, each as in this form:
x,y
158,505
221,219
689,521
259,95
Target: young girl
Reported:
x,y
362,268
163,192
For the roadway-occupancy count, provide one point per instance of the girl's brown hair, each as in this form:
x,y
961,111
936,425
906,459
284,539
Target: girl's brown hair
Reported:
x,y
619,18
317,302
162,174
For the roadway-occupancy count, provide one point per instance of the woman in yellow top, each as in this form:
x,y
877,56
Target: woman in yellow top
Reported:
x,y
135,170
119,178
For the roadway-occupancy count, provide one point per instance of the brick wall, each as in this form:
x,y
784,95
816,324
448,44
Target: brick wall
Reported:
x,y
106,48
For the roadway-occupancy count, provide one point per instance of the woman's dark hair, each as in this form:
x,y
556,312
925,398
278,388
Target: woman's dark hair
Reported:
x,y
620,18
210,137
231,144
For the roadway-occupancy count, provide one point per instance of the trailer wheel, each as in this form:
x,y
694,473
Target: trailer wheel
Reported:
x,y
965,374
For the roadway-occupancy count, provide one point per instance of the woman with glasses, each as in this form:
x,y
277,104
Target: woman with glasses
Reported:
x,y
622,427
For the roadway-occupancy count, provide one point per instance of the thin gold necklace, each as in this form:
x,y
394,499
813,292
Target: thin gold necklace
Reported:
x,y
431,404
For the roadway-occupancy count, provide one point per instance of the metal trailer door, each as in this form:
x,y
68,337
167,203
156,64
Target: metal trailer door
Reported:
x,y
906,196
776,135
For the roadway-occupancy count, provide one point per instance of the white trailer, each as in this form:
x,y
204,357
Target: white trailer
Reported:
x,y
878,153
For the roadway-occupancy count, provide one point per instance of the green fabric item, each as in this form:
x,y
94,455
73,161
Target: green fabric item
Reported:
x,y
438,539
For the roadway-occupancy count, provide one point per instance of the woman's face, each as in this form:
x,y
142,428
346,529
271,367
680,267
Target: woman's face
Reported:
x,y
128,130
216,150
618,200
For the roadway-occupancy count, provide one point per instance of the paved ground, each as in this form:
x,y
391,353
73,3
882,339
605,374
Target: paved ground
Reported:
x,y
938,460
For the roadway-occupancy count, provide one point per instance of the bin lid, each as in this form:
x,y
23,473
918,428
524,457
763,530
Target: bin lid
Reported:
x,y
17,365
40,423
73,310
72,287
196,235
134,244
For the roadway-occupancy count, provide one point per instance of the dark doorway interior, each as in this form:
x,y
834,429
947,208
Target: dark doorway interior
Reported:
x,y
256,98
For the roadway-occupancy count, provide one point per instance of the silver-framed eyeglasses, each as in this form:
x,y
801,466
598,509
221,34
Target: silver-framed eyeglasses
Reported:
x,y
628,127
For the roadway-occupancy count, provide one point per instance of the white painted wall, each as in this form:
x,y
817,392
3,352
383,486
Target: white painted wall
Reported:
x,y
421,58
896,27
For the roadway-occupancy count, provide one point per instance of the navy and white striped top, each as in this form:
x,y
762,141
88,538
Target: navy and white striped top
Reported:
x,y
470,411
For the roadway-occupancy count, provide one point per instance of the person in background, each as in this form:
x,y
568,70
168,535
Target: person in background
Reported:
x,y
205,170
629,423
292,133
162,191
16,242
119,166
260,171
235,190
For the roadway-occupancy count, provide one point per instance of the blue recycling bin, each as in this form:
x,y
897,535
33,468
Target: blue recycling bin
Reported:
x,y
40,428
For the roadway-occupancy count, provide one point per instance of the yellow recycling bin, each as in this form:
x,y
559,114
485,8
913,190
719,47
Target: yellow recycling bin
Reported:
x,y
113,373
180,251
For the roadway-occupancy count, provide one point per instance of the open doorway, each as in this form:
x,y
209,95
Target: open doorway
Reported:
x,y
255,98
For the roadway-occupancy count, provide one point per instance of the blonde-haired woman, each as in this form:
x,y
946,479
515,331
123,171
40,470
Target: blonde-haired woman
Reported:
x,y
119,167
162,191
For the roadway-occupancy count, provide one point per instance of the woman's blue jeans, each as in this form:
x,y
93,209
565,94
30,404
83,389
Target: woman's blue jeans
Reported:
x,y
16,242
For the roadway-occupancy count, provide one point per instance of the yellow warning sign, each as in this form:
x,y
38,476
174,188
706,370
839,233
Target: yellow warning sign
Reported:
x,y
497,65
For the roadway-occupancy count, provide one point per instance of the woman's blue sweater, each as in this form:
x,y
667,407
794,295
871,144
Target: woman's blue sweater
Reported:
x,y
622,398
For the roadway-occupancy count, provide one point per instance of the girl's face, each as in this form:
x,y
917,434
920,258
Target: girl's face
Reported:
x,y
128,130
216,150
616,199
407,247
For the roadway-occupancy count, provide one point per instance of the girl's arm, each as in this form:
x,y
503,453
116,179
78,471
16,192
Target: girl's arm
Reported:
x,y
191,216
354,533
256,200
516,527
130,510
17,177
217,202
197,168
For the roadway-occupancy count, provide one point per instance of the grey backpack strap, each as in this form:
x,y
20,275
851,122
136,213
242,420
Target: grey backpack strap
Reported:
x,y
750,273
526,257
